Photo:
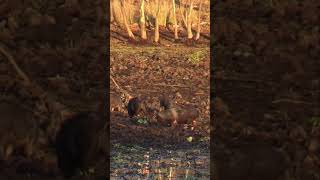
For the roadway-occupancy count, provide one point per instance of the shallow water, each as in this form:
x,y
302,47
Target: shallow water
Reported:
x,y
136,162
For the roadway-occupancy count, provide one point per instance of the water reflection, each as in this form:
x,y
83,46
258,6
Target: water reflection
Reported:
x,y
140,163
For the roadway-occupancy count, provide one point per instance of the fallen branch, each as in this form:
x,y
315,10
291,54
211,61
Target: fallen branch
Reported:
x,y
171,85
122,90
121,125
115,83
150,91
33,87
14,64
239,79
291,101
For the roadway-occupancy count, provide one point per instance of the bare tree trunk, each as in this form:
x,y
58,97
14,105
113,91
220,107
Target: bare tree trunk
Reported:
x,y
143,21
186,18
156,29
183,15
129,10
176,36
189,22
148,21
130,34
199,21
111,11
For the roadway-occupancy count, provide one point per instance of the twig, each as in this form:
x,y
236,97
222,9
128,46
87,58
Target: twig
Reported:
x,y
115,83
34,87
121,125
171,85
150,91
122,90
239,79
291,101
14,64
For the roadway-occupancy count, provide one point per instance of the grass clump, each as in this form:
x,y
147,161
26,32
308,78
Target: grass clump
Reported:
x,y
196,57
315,121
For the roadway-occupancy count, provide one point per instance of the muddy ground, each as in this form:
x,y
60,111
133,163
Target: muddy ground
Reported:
x,y
150,71
267,82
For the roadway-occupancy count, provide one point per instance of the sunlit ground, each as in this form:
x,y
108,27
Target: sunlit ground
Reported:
x,y
147,163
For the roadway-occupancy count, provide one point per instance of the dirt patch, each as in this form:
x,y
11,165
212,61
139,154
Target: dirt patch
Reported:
x,y
140,146
150,72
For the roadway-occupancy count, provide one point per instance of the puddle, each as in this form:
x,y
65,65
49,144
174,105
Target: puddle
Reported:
x,y
135,162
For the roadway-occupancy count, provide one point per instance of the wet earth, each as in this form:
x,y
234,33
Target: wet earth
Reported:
x,y
153,163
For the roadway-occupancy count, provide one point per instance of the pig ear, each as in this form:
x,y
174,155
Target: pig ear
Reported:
x,y
130,97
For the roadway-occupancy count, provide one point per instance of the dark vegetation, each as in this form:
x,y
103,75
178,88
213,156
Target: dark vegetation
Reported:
x,y
51,72
266,77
